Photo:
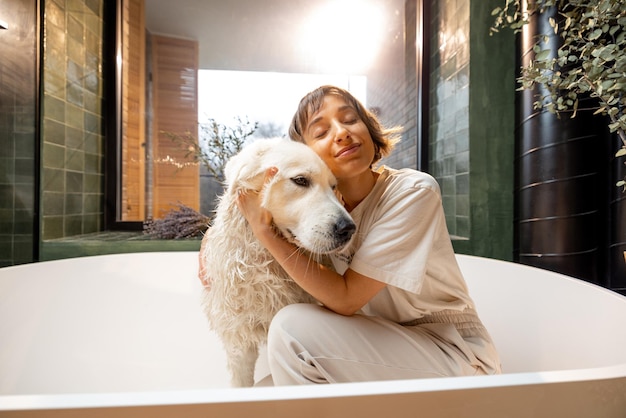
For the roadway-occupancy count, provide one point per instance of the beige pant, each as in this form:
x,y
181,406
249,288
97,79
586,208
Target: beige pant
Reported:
x,y
310,344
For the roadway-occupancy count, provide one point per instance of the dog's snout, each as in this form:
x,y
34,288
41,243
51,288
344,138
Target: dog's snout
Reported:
x,y
344,228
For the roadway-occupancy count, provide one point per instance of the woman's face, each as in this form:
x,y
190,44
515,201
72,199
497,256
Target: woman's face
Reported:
x,y
339,136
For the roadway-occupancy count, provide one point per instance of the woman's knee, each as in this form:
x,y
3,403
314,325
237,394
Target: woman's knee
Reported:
x,y
293,323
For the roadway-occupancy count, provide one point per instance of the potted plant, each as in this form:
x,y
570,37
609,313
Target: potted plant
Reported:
x,y
591,60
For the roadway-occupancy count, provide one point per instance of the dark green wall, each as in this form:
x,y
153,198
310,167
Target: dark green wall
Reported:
x,y
492,119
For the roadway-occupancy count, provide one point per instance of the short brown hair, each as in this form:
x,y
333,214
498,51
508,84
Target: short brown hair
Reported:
x,y
384,138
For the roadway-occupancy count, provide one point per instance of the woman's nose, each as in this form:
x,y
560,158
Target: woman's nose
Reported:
x,y
341,133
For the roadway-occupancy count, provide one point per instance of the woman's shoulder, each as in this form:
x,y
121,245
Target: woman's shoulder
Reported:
x,y
409,178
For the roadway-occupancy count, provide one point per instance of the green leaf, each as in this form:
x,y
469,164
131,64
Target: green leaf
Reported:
x,y
621,152
543,55
606,84
595,34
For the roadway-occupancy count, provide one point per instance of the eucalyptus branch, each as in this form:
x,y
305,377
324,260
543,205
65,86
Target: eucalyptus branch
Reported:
x,y
590,62
615,121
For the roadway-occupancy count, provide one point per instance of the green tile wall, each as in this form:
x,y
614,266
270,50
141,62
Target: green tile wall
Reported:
x,y
449,110
18,133
72,123
491,138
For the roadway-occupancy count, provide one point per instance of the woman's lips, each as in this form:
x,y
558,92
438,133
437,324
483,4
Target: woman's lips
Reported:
x,y
347,150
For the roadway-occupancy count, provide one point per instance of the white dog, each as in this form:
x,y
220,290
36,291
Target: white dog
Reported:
x,y
247,286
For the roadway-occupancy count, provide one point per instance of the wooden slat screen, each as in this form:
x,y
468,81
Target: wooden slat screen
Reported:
x,y
175,105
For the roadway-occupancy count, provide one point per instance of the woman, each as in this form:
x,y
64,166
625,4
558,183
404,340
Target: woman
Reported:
x,y
396,305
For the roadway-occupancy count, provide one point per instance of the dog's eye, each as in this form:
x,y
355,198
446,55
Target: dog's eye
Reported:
x,y
301,181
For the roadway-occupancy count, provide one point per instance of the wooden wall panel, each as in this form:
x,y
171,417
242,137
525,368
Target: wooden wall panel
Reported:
x,y
176,178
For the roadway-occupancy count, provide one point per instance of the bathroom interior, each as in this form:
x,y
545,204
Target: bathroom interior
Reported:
x,y
89,90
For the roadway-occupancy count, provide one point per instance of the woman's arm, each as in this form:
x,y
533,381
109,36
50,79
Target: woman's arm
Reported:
x,y
343,294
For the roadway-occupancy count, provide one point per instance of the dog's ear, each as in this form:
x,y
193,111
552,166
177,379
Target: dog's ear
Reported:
x,y
245,170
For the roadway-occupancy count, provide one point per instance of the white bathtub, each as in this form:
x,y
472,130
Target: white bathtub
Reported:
x,y
123,335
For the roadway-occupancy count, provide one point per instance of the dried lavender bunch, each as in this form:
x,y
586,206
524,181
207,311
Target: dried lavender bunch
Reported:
x,y
180,223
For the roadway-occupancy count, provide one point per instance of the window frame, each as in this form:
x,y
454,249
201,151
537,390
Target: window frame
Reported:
x,y
113,122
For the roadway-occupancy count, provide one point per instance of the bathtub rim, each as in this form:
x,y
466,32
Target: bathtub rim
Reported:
x,y
216,396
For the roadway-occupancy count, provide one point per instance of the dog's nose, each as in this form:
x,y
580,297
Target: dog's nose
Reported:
x,y
344,228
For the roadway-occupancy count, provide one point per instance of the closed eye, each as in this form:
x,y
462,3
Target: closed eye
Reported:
x,y
301,181
320,134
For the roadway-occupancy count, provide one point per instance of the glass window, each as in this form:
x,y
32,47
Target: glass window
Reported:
x,y
188,71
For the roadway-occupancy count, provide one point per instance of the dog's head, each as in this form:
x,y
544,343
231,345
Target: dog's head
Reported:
x,y
300,196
